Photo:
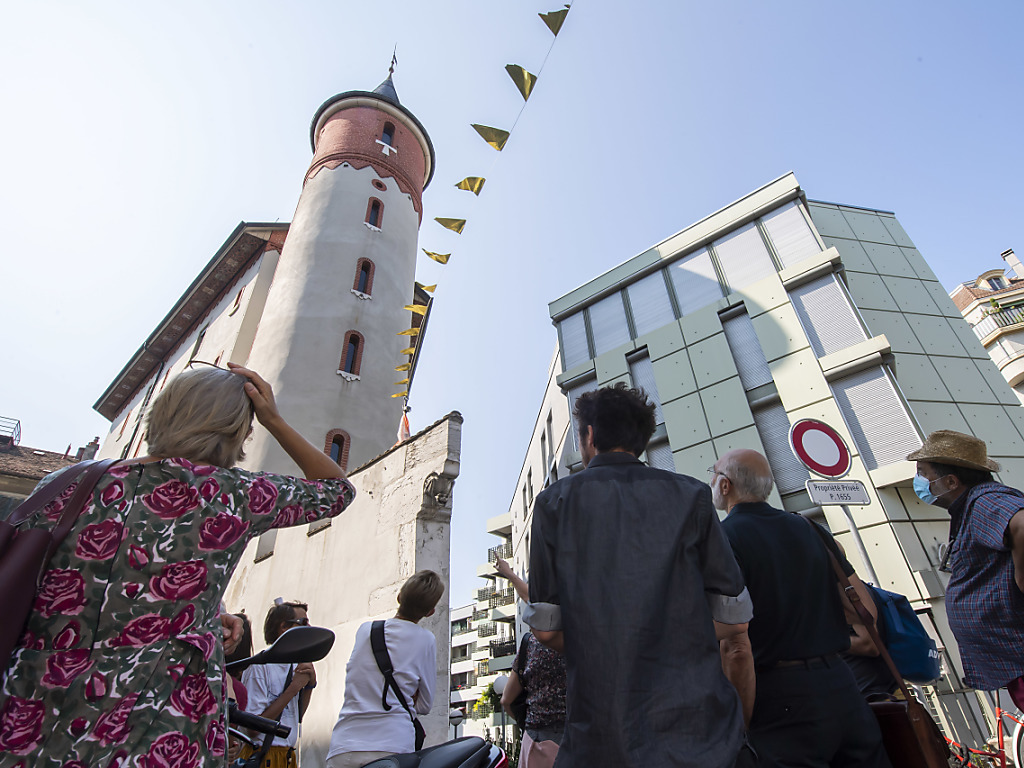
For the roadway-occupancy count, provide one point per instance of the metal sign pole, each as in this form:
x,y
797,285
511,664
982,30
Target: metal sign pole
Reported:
x,y
861,549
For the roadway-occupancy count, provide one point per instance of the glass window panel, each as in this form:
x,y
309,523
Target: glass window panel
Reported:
x,y
826,315
648,299
642,373
773,428
574,341
746,351
608,323
695,282
790,234
744,257
881,428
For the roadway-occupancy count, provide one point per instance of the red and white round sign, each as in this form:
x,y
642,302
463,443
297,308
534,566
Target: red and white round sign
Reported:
x,y
820,448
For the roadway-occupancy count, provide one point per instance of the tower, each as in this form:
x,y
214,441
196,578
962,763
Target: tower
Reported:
x,y
328,338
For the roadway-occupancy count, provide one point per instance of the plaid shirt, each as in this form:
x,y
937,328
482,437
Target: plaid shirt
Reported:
x,y
984,605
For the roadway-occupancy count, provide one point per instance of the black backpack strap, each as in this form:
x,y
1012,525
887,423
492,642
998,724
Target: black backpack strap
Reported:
x,y
383,659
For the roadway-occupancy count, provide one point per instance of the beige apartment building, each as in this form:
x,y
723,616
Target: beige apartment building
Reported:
x,y
993,305
774,309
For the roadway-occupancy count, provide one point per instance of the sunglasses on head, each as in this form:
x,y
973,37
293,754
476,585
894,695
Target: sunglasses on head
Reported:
x,y
297,622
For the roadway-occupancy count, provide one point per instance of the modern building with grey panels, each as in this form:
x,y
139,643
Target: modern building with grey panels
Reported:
x,y
778,308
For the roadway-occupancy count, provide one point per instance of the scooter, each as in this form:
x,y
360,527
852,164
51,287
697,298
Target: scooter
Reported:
x,y
301,644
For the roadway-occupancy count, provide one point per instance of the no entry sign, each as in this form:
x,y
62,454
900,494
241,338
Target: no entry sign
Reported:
x,y
820,448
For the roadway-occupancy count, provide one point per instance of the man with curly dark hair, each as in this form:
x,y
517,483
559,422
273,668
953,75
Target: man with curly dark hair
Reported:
x,y
632,577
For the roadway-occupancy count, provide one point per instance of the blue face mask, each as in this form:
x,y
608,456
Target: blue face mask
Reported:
x,y
923,489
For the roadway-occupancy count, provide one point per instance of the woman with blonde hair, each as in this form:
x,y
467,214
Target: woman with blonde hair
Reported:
x,y
121,661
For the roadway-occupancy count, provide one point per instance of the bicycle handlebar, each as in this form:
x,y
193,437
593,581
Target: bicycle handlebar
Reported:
x,y
256,723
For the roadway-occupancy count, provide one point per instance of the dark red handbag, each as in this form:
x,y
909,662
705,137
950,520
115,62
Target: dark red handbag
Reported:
x,y
24,554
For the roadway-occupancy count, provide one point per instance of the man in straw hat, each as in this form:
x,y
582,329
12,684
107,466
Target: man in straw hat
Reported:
x,y
985,557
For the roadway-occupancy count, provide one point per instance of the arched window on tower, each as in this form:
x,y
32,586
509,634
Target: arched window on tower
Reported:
x,y
374,213
351,355
337,445
363,283
388,134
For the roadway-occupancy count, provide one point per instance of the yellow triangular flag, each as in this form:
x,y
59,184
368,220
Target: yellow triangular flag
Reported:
x,y
472,184
403,367
455,225
440,258
524,80
408,351
419,309
400,383
493,136
428,288
408,332
401,394
555,19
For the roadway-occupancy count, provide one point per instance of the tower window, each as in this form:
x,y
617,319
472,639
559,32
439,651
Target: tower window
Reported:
x,y
388,134
374,213
364,277
336,445
352,353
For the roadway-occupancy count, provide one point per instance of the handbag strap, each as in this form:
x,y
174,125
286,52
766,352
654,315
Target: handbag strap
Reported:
x,y
865,616
383,658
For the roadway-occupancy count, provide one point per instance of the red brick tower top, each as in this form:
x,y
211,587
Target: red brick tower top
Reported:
x,y
364,128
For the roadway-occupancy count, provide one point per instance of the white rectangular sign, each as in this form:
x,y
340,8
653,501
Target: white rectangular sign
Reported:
x,y
838,492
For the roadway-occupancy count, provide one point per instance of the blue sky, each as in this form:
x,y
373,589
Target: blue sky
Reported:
x,y
137,135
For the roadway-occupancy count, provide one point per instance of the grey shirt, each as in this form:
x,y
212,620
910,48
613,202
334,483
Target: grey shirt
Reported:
x,y
632,565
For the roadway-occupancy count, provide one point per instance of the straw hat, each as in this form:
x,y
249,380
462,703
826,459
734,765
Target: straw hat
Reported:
x,y
948,447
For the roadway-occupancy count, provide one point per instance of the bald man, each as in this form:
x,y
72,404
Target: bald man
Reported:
x,y
808,711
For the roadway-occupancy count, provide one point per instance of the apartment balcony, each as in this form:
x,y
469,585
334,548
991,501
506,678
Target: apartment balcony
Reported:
x,y
463,665
500,666
461,631
466,638
500,648
462,694
500,525
482,669
481,652
1012,369
487,629
994,322
484,594
503,551
486,571
501,597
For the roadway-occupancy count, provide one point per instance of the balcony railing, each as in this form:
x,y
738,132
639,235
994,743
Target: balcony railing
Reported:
x,y
484,593
480,615
481,669
504,551
487,629
504,597
470,682
1004,318
460,630
501,648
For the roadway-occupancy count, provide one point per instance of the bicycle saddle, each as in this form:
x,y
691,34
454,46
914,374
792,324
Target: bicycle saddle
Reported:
x,y
467,752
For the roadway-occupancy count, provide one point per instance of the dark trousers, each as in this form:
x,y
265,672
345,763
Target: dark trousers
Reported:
x,y
813,716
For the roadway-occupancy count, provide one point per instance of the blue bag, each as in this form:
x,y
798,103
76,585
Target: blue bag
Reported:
x,y
909,644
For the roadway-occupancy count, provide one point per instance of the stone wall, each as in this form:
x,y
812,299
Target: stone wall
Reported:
x,y
351,570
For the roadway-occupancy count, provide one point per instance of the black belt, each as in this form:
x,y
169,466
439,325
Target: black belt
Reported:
x,y
812,662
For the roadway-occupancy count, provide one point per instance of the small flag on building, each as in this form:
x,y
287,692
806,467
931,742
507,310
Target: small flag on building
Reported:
x,y
496,137
403,428
455,225
472,184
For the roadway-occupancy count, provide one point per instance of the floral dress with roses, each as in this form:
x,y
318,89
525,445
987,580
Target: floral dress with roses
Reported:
x,y
121,662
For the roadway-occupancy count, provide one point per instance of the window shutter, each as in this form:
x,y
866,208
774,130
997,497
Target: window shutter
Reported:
x,y
695,282
826,315
660,456
790,234
648,298
744,257
608,323
574,341
572,394
773,428
879,423
642,373
746,351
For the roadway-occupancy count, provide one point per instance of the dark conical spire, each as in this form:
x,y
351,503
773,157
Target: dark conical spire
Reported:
x,y
387,90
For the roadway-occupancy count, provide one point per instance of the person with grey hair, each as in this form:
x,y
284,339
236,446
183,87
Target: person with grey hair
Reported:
x,y
807,707
121,660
